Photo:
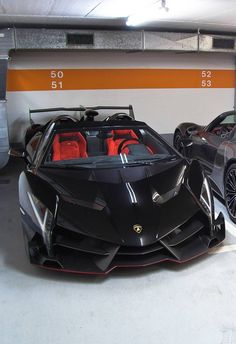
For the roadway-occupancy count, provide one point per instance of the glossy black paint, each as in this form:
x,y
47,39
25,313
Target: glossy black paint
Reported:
x,y
94,218
216,152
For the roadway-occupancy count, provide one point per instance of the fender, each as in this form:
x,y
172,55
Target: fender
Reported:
x,y
182,127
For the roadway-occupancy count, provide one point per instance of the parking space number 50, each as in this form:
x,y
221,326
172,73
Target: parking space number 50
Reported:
x,y
56,79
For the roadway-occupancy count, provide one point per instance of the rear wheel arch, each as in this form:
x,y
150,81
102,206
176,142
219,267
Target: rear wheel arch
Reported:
x,y
178,131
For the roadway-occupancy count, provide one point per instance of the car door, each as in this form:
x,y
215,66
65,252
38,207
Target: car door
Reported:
x,y
207,141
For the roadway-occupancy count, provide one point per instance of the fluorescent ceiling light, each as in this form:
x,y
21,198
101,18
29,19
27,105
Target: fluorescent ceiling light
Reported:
x,y
157,9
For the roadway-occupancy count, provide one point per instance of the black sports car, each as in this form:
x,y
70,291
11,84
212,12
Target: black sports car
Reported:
x,y
214,146
97,195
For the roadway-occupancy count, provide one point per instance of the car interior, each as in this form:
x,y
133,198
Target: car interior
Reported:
x,y
83,144
224,127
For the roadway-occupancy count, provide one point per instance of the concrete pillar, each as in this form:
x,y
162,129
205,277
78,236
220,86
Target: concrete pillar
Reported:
x,y
6,44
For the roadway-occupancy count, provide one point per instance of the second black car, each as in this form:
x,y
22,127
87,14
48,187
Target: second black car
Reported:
x,y
214,145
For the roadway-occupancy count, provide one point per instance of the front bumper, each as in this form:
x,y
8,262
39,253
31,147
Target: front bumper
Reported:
x,y
74,253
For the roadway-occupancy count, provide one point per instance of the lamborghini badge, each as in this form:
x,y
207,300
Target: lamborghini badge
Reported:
x,y
137,228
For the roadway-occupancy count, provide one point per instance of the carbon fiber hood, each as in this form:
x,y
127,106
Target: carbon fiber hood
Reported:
x,y
107,203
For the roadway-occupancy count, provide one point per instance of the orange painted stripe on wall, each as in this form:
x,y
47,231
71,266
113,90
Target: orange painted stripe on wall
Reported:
x,y
93,79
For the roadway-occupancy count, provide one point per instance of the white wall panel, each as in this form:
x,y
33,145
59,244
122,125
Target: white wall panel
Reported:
x,y
73,59
163,109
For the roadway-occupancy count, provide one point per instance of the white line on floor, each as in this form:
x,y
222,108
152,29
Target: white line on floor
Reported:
x,y
231,229
222,249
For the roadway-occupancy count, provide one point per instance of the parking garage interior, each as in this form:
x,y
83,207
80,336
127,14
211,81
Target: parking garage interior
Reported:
x,y
174,62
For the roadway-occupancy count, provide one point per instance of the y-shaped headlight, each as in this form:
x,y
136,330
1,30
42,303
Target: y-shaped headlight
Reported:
x,y
45,219
198,184
206,198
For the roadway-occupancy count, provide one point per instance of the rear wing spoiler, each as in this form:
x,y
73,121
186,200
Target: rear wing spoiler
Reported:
x,y
81,108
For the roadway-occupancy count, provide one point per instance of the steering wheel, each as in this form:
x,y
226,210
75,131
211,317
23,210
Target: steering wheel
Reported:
x,y
120,147
224,130
219,131
120,116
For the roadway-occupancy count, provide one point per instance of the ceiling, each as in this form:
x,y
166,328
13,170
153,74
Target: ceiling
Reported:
x,y
211,15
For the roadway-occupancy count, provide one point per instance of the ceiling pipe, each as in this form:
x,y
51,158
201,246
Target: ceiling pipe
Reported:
x,y
115,40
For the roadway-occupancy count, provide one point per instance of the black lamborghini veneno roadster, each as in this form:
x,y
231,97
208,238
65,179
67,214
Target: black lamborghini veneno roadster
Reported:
x,y
96,195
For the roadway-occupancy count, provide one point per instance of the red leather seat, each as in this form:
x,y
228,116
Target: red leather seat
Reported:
x,y
69,146
113,143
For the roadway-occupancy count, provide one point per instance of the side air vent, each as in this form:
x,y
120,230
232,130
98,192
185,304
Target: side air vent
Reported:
x,y
80,39
222,43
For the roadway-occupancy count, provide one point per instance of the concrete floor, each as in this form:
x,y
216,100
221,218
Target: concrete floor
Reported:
x,y
193,303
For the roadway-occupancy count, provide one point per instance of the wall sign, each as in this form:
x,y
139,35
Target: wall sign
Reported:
x,y
92,79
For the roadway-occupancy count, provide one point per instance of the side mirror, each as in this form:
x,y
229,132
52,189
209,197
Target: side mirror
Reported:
x,y
16,153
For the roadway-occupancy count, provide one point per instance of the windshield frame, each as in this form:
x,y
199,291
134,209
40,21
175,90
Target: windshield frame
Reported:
x,y
171,152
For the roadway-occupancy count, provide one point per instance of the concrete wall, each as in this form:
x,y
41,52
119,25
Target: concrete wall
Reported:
x,y
161,107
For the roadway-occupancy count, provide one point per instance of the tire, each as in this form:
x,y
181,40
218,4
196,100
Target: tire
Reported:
x,y
178,142
26,244
230,191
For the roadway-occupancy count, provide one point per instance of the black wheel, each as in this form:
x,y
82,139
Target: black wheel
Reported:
x,y
178,142
230,191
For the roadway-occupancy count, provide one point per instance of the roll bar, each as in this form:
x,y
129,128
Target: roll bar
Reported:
x,y
81,108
